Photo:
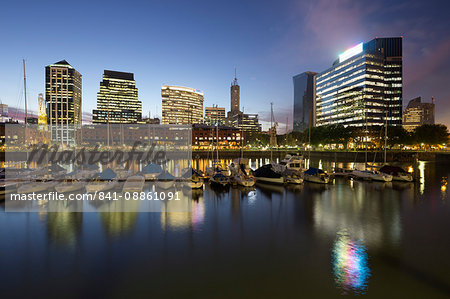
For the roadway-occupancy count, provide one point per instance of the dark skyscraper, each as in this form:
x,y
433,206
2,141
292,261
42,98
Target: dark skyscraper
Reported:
x,y
363,87
304,100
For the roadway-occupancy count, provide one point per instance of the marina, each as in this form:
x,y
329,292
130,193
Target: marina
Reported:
x,y
285,234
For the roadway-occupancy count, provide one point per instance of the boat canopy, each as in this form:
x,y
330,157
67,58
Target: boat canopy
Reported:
x,y
395,170
219,175
107,174
314,171
266,171
152,168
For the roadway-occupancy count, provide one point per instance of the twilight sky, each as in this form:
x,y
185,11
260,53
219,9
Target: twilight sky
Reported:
x,y
198,44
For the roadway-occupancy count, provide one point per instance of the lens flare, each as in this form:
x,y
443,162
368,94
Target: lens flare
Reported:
x,y
350,265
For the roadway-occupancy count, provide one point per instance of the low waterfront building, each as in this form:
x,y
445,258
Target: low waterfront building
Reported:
x,y
418,113
205,137
129,134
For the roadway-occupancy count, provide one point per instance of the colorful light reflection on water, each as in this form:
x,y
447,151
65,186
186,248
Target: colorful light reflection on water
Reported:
x,y
350,264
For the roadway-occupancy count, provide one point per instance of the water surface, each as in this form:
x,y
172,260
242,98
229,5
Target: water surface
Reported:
x,y
350,237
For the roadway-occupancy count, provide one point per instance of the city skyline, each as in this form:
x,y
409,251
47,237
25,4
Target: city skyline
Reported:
x,y
278,44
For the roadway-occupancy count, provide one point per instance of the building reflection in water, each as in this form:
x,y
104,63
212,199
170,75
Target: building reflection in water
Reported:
x,y
118,223
180,214
350,264
64,228
198,212
422,176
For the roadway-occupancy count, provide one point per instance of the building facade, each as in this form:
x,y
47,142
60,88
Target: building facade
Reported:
x,y
214,115
181,105
3,110
208,137
418,113
63,100
3,113
245,122
363,87
117,100
304,101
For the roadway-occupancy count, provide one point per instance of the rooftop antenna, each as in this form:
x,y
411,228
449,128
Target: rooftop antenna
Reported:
x,y
235,77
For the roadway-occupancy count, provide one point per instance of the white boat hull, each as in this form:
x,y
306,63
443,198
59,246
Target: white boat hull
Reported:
x,y
293,180
193,184
69,187
101,186
134,184
165,184
279,180
402,178
316,179
243,181
380,177
35,187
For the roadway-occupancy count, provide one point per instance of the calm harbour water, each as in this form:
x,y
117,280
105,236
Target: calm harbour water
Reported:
x,y
350,237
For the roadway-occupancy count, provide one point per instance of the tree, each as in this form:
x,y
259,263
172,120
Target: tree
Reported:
x,y
398,135
431,134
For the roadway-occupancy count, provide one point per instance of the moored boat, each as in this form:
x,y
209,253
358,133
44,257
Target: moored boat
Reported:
x,y
267,174
316,175
104,181
192,179
36,186
70,186
165,180
134,183
397,173
219,180
292,177
151,171
372,175
244,180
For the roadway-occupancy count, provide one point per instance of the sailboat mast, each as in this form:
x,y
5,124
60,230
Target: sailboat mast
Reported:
x,y
242,136
385,137
217,136
309,138
271,130
26,106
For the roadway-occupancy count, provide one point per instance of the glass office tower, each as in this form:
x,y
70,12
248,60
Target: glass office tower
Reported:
x,y
363,87
181,105
304,101
117,101
63,100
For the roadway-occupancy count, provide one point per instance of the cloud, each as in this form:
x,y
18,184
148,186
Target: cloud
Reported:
x,y
316,31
